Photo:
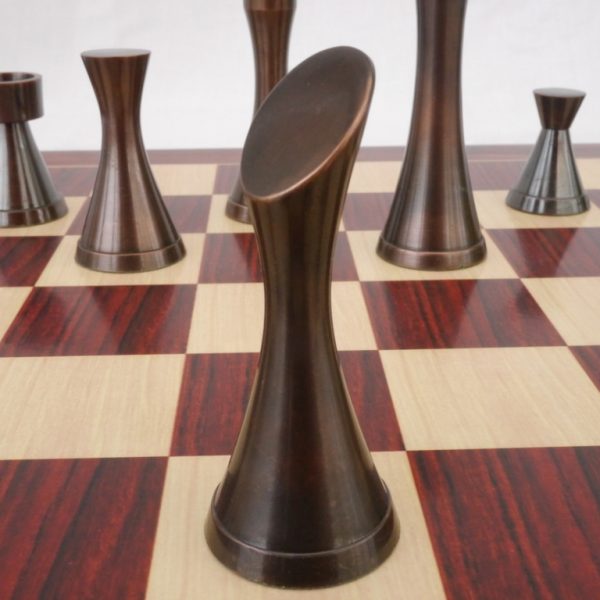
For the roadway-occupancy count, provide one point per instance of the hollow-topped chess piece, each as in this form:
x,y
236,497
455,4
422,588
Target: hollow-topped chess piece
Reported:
x,y
433,224
550,183
127,227
270,24
27,194
301,504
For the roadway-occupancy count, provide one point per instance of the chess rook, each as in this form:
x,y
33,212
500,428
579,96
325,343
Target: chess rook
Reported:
x,y
301,504
432,223
27,195
550,183
270,22
127,227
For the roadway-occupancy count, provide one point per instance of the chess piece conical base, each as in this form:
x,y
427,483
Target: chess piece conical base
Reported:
x,y
236,208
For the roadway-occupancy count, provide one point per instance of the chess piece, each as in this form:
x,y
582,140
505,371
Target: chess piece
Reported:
x,y
270,23
127,227
301,504
432,224
27,194
550,183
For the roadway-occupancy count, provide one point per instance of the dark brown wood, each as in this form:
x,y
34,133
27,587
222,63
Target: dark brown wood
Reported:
x,y
270,24
550,183
27,195
433,224
301,504
127,227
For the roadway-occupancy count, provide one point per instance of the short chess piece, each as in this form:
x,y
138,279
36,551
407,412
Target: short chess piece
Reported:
x,y
27,194
301,504
550,183
270,23
127,228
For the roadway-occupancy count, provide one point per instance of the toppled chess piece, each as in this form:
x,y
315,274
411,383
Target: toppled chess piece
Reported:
x,y
550,183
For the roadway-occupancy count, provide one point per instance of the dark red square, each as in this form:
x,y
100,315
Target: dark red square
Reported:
x,y
589,359
495,175
188,213
517,523
70,321
230,258
74,529
551,252
367,211
456,314
225,178
73,181
22,259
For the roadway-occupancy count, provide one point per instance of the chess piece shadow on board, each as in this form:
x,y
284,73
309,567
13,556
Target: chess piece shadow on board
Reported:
x,y
433,224
270,22
301,504
27,194
127,228
550,183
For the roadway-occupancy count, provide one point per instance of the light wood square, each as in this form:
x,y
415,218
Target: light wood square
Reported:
x,y
219,222
184,568
229,317
185,180
11,300
495,214
58,227
589,171
88,406
375,176
62,270
372,268
492,398
572,304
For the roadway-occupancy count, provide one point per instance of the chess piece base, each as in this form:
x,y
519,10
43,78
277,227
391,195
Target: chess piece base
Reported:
x,y
34,216
446,260
236,208
124,262
310,570
556,207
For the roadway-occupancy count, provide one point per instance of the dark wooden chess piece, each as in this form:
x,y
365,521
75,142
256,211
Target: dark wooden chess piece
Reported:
x,y
27,194
127,227
550,183
270,24
432,224
301,504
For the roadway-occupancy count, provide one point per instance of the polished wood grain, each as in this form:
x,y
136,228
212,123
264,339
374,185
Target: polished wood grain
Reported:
x,y
230,258
374,176
74,181
494,175
226,178
551,252
78,529
365,211
513,523
22,260
11,300
456,314
589,359
101,320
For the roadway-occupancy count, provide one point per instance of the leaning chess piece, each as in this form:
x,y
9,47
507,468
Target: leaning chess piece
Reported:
x,y
270,23
301,504
432,224
27,195
550,183
127,227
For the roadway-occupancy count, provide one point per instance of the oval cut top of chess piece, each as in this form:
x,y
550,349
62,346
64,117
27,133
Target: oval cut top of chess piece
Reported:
x,y
301,504
27,194
550,183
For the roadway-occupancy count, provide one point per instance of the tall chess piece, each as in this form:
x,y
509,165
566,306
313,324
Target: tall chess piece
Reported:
x,y
432,224
301,504
27,195
127,228
270,24
550,183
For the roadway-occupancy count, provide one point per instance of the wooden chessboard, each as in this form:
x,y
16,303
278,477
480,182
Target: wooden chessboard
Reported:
x,y
478,393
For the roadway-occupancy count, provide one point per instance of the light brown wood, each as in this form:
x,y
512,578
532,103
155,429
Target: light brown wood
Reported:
x,y
185,180
374,176
11,300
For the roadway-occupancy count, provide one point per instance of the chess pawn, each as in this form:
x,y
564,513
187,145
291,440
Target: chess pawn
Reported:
x,y
301,504
270,23
127,227
432,224
550,183
27,195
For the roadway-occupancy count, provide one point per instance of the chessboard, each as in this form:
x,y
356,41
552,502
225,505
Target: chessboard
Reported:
x,y
478,392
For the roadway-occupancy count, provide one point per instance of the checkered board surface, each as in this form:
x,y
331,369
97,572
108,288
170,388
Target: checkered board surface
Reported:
x,y
478,392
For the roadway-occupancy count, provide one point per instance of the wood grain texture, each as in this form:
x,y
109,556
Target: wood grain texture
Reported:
x,y
22,260
78,529
225,178
366,211
513,523
101,320
74,181
589,358
456,314
230,258
495,175
188,213
551,252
